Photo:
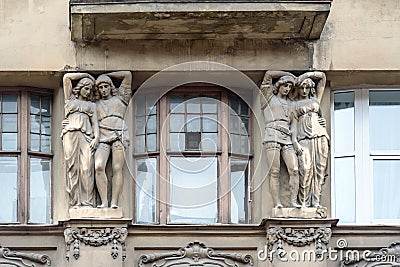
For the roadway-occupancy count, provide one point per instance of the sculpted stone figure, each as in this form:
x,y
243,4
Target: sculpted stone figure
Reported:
x,y
278,135
311,138
111,108
80,136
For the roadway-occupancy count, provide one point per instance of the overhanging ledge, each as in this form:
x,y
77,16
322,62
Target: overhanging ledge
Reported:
x,y
96,20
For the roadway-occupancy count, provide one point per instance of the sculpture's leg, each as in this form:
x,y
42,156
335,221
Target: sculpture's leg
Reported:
x,y
117,164
71,147
321,150
273,167
101,157
290,158
306,173
86,172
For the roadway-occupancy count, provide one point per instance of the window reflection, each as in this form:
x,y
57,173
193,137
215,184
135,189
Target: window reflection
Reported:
x,y
239,195
146,171
39,195
9,184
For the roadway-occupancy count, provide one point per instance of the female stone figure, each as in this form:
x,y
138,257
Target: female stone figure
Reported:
x,y
114,137
80,136
312,140
278,136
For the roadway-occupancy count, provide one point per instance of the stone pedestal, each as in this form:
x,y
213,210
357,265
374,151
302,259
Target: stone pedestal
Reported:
x,y
297,242
103,213
96,242
302,212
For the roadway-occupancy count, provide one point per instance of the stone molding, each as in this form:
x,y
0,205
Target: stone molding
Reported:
x,y
11,256
298,238
95,237
195,253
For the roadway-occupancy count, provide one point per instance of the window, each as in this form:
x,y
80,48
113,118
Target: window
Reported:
x,y
25,156
366,155
192,157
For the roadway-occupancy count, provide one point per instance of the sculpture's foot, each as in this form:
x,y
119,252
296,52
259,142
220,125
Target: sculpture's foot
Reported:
x,y
279,206
76,207
318,206
295,204
114,206
104,205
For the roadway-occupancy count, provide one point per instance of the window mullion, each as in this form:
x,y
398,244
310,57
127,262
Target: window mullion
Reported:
x,y
23,192
224,167
163,173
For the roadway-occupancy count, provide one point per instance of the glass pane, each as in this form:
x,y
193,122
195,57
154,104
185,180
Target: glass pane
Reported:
x,y
35,123
244,126
176,104
152,104
9,141
9,123
45,106
209,142
9,184
140,105
235,143
210,123
239,198
152,124
146,171
177,141
152,142
244,144
234,124
344,122
140,144
383,110
140,125
209,105
46,125
177,123
35,104
193,104
386,184
234,104
244,109
39,191
193,123
345,189
35,142
45,143
10,103
193,190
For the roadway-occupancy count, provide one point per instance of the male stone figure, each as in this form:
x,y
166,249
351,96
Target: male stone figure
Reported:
x,y
278,136
114,137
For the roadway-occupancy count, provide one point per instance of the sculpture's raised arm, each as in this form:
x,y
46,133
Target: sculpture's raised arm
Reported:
x,y
67,82
267,86
125,89
318,77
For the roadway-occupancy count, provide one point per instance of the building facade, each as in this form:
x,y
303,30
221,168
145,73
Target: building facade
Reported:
x,y
195,186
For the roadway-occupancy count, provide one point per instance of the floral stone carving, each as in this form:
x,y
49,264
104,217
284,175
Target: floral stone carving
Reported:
x,y
14,256
195,253
297,238
95,238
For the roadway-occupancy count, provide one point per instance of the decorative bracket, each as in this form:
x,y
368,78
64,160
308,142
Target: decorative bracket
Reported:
x,y
195,254
297,238
95,238
11,256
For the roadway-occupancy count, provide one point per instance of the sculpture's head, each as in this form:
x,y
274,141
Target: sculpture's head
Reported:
x,y
105,86
84,88
284,85
307,88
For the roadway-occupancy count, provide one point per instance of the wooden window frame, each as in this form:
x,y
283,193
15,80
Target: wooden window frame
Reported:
x,y
223,155
23,152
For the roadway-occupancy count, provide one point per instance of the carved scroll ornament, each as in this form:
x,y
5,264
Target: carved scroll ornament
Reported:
x,y
12,256
195,253
297,238
95,238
